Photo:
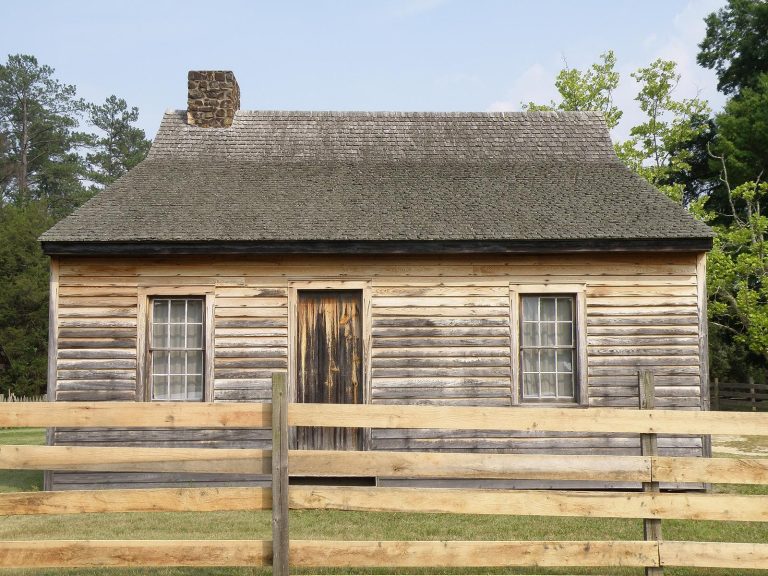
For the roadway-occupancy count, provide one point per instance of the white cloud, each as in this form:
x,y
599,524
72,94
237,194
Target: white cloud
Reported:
x,y
536,84
678,43
681,46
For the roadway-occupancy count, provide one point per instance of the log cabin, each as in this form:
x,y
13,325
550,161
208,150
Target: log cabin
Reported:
x,y
494,259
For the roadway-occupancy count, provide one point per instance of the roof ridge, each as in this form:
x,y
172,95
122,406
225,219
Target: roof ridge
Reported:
x,y
410,113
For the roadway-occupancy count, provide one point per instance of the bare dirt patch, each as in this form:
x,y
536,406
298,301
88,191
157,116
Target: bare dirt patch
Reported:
x,y
749,446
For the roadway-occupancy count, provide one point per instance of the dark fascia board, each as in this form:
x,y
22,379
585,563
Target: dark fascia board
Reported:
x,y
377,247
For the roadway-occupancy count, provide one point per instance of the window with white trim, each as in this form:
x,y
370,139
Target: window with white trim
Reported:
x,y
548,348
177,349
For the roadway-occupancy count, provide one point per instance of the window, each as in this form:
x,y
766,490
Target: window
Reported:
x,y
548,348
177,349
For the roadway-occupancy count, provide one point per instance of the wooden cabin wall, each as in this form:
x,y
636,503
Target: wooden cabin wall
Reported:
x,y
439,334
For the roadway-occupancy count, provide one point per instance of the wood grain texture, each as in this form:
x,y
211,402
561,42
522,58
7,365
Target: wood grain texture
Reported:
x,y
141,415
724,507
330,361
529,419
114,459
467,465
148,500
133,553
714,470
714,555
280,534
307,553
53,347
649,447
430,320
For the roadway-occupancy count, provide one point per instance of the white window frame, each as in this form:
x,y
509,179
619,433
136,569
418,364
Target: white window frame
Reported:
x,y
144,328
578,293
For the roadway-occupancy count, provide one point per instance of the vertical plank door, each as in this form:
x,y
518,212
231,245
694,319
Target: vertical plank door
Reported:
x,y
330,362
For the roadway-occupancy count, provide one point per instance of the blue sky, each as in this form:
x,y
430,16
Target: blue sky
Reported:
x,y
437,55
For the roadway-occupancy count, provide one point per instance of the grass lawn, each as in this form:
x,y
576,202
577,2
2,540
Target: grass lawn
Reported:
x,y
318,524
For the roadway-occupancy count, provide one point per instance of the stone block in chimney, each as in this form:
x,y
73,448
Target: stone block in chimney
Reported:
x,y
213,97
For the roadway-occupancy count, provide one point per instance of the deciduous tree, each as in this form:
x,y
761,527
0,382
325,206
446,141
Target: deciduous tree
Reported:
x,y
591,89
736,44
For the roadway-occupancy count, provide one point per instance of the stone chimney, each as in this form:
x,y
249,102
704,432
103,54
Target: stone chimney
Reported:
x,y
212,99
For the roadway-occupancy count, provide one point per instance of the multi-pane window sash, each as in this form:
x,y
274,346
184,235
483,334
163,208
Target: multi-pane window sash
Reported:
x,y
548,349
177,349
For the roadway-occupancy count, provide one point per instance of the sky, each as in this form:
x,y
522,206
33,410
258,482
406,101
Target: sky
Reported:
x,y
426,55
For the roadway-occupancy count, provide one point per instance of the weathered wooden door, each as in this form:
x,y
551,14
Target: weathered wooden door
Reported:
x,y
330,362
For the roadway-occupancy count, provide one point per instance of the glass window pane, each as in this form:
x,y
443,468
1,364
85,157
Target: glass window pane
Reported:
x,y
530,360
194,362
177,335
565,360
160,311
177,388
160,387
178,310
565,385
548,385
178,373
547,309
531,385
530,334
547,360
530,308
160,335
195,311
564,334
159,362
194,335
178,363
564,309
547,333
194,387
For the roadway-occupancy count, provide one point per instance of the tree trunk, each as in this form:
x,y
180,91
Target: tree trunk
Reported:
x,y
23,150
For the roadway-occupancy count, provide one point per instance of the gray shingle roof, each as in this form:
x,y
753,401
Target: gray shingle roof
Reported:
x,y
371,176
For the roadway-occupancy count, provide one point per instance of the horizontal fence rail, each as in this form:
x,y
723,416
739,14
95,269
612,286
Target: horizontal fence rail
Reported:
x,y
258,415
739,396
600,420
134,553
135,415
432,500
653,553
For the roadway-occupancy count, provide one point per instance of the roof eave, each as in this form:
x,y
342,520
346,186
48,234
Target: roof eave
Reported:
x,y
375,247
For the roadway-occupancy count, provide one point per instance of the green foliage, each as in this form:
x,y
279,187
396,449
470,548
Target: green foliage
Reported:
x,y
588,90
736,44
120,146
659,148
737,275
43,165
23,297
743,133
38,120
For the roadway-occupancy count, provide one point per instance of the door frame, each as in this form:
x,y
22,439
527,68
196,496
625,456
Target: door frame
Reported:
x,y
294,286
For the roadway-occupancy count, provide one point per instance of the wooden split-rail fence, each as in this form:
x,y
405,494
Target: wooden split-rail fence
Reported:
x,y
13,398
653,552
739,396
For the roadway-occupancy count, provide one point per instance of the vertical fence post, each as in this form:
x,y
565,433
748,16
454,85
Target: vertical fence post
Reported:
x,y
752,395
279,475
716,395
648,447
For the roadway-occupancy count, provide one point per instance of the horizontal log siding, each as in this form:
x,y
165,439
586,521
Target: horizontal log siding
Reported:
x,y
251,341
440,335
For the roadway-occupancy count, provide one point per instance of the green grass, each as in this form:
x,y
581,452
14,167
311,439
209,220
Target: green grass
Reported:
x,y
21,480
319,524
